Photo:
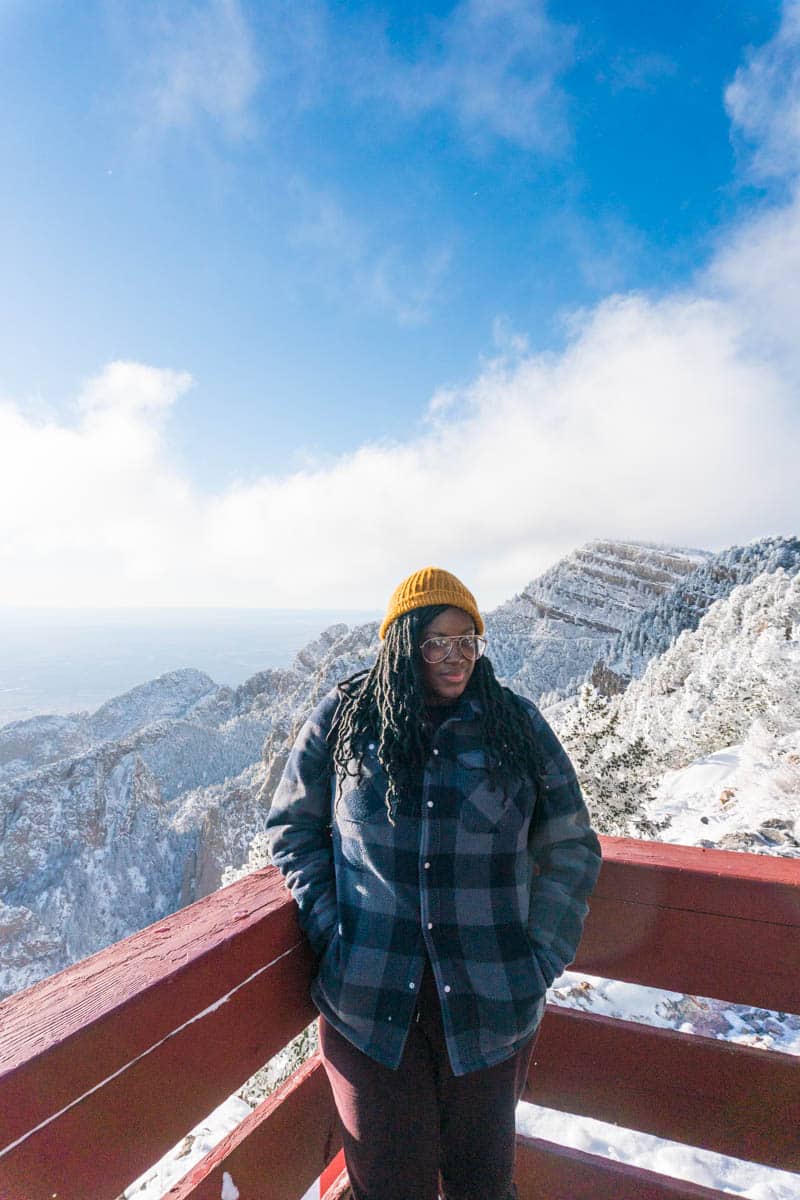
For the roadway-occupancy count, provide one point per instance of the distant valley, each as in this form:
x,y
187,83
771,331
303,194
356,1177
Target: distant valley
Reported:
x,y
56,660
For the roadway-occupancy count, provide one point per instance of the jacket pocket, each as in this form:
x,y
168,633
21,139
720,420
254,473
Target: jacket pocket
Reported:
x,y
486,808
361,797
360,804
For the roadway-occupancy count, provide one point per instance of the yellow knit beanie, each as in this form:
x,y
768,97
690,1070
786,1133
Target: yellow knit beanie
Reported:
x,y
431,585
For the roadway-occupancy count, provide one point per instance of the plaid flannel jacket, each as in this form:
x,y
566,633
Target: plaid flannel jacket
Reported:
x,y
490,886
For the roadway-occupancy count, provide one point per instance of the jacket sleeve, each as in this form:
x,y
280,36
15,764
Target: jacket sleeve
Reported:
x,y
565,856
298,826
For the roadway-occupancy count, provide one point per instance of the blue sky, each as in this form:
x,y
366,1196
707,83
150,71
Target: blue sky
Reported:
x,y
279,278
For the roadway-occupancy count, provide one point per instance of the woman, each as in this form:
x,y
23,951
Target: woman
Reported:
x,y
431,830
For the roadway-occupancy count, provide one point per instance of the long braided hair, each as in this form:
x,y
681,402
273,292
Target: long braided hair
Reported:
x,y
387,703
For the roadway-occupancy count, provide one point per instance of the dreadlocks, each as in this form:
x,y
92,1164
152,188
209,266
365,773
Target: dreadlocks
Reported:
x,y
388,703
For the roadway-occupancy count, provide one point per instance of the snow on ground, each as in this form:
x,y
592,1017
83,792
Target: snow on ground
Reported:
x,y
745,1025
741,797
656,1154
688,1014
594,1137
178,1161
744,797
175,1164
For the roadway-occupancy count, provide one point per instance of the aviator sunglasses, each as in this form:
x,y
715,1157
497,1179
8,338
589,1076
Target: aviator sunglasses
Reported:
x,y
437,649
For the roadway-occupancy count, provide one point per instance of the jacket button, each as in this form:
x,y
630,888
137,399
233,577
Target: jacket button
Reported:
x,y
412,986
427,866
430,804
430,924
435,751
447,987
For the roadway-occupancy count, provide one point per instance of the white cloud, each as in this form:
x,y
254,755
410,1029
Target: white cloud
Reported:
x,y
662,420
80,505
763,100
673,419
757,271
128,388
200,62
493,64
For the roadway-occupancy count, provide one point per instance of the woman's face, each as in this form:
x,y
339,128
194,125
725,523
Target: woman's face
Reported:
x,y
445,681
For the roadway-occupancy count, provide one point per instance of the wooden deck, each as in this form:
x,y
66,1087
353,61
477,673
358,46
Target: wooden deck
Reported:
x,y
107,1065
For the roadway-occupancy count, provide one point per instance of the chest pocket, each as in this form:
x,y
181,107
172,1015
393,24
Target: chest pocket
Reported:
x,y
485,808
361,798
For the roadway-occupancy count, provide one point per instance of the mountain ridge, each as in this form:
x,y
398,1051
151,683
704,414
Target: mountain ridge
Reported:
x,y
99,839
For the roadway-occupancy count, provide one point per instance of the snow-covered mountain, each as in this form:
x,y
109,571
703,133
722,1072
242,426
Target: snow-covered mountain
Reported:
x,y
741,663
712,727
683,606
546,639
112,820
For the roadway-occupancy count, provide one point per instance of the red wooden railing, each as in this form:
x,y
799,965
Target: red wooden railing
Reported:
x,y
106,1065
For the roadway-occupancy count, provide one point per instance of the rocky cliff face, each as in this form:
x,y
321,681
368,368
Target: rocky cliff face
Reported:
x,y
84,848
25,745
88,848
704,747
223,819
111,821
683,606
546,639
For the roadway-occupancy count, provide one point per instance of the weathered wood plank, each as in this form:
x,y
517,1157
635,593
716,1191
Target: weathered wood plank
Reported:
x,y
99,1145
546,1171
49,1063
68,1033
278,1151
752,886
733,1099
706,922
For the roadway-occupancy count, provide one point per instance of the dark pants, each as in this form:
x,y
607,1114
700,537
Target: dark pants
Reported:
x,y
401,1128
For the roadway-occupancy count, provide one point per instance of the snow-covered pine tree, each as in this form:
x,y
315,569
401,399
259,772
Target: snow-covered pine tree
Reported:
x,y
616,773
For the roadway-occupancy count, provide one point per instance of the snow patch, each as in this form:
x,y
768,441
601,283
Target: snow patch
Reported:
x,y
229,1188
657,1154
